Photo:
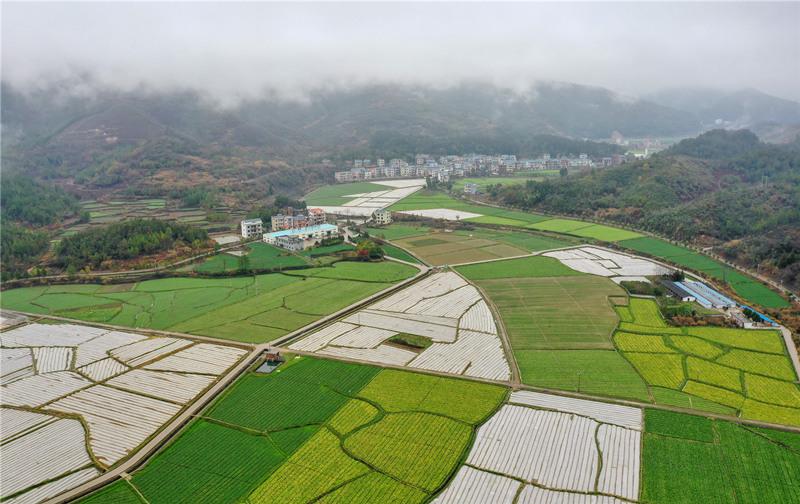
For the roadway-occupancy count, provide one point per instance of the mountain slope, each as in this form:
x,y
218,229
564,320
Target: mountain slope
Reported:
x,y
746,205
733,109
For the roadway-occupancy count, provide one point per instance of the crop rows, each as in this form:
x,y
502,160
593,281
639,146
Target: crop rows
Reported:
x,y
554,442
688,459
745,372
442,308
97,376
319,429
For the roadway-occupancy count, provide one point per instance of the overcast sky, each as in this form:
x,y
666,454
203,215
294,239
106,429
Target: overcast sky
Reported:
x,y
234,50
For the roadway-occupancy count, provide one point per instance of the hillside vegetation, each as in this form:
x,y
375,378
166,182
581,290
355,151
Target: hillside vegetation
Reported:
x,y
126,240
145,144
24,205
745,204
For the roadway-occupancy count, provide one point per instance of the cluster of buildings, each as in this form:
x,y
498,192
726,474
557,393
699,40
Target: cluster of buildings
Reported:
x,y
444,167
293,219
707,297
296,239
292,229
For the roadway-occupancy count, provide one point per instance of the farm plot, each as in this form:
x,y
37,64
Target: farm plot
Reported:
x,y
453,248
442,308
428,200
88,400
333,431
251,309
742,372
442,213
539,440
362,198
597,261
682,455
559,322
260,256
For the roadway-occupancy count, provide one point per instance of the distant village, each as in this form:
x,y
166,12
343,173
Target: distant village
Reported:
x,y
445,167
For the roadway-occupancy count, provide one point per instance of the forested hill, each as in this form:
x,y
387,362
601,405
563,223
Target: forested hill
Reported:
x,y
745,204
26,207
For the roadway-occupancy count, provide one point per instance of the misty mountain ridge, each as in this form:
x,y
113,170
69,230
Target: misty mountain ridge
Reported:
x,y
351,116
743,108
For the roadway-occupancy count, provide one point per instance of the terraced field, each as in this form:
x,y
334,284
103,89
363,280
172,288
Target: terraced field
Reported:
x,y
735,371
103,213
249,309
333,431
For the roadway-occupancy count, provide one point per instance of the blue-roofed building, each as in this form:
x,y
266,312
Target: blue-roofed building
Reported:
x,y
302,238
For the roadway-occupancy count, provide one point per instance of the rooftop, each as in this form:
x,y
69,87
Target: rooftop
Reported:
x,y
303,230
248,222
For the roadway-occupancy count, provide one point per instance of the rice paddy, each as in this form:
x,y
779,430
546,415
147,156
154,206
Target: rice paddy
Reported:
x,y
249,309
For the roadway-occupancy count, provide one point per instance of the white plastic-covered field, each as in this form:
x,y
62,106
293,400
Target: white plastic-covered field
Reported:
x,y
442,308
552,449
597,261
364,204
442,213
77,399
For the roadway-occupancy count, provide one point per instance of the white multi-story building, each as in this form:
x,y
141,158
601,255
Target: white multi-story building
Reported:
x,y
252,228
343,176
382,217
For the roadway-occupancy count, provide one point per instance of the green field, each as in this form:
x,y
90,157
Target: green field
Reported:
x,y
746,287
336,194
741,372
599,372
396,231
319,428
398,253
425,200
526,267
460,246
260,256
689,459
559,323
249,309
483,182
584,229
439,248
